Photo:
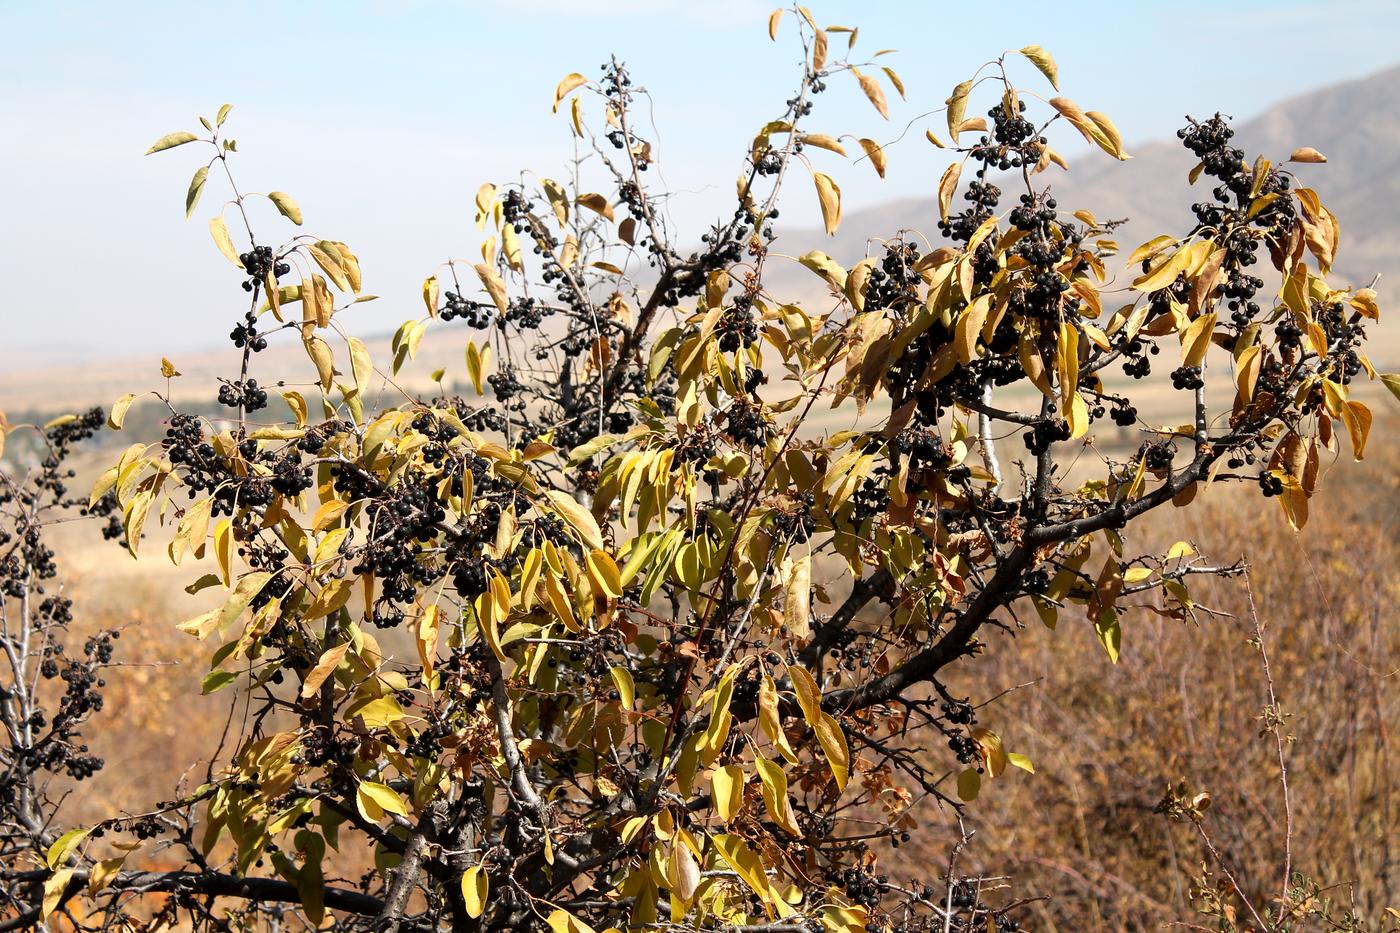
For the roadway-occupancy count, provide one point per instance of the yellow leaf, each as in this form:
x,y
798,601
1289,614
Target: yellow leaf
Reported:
x,y
969,783
223,549
495,286
822,141
1044,61
993,752
63,846
428,640
809,695
119,410
1357,418
775,795
330,600
957,106
626,688
578,517
773,19
374,800
797,608
1151,248
563,89
819,41
1180,549
683,871
320,353
830,197
54,888
727,791
323,669
838,752
476,885
286,206
604,574
597,204
489,612
876,94
561,921
219,231
103,874
1307,154
170,141
430,295
1067,361
876,153
895,81
1195,339
947,185
969,327
1112,142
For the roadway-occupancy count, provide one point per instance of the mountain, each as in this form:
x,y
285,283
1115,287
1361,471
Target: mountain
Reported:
x,y
1355,124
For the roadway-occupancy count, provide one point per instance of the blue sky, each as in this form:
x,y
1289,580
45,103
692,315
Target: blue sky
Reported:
x,y
382,118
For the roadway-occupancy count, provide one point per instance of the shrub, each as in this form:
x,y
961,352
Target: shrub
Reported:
x,y
559,653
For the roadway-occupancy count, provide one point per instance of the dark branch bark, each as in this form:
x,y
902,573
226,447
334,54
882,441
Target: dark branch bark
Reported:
x,y
1000,589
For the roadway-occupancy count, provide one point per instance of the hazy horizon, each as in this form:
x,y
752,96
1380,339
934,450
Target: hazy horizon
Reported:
x,y
383,119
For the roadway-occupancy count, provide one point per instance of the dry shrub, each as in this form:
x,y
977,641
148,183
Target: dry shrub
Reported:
x,y
1185,701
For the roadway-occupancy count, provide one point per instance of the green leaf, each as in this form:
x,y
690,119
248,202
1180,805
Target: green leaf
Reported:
x,y
223,114
969,783
374,800
170,141
626,688
1392,382
58,852
1110,633
196,186
286,206
215,681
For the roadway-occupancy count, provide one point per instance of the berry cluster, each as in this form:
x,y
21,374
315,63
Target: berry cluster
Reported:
x,y
245,394
246,334
797,523
1045,432
1158,456
924,448
1243,213
1187,378
259,262
1135,361
745,424
737,326
894,283
861,886
477,314
44,725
